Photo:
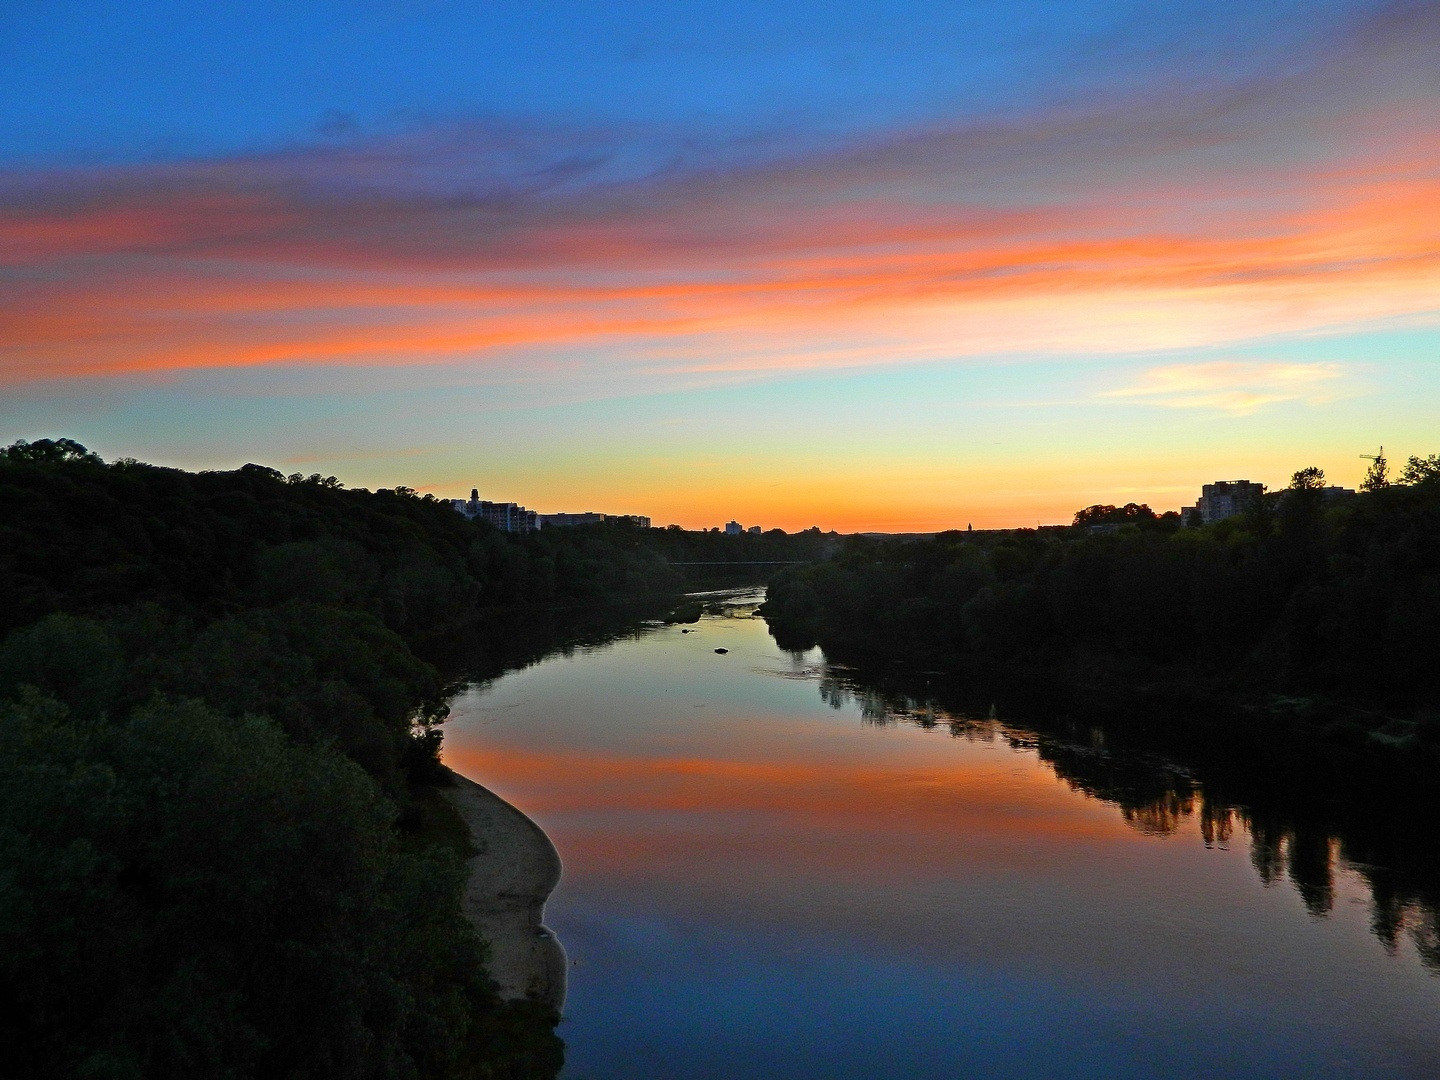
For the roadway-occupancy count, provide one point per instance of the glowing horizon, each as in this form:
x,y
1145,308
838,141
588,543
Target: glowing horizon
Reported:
x,y
1129,287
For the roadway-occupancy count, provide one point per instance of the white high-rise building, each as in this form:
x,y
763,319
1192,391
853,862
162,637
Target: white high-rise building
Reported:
x,y
1222,499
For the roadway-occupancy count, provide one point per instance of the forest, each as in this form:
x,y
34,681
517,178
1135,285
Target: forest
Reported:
x,y
222,705
773,546
1312,614
221,853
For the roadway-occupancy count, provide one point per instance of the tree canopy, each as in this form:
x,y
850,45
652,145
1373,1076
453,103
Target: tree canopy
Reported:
x,y
218,841
1300,597
1104,514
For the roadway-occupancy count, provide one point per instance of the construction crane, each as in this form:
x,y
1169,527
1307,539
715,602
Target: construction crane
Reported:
x,y
1375,478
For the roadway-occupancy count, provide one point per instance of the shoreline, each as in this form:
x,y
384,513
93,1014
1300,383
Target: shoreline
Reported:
x,y
513,873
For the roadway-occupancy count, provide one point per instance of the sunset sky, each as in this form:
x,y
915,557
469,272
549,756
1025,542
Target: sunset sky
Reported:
x,y
899,266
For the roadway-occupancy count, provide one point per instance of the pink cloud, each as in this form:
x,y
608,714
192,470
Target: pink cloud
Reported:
x,y
1302,204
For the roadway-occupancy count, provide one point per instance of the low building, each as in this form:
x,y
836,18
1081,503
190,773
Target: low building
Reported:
x,y
509,517
512,517
562,520
733,528
755,530
505,516
590,517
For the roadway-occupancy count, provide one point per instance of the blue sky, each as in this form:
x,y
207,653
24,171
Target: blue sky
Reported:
x,y
127,82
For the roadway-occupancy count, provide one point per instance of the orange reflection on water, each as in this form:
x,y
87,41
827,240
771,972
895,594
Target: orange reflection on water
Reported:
x,y
838,819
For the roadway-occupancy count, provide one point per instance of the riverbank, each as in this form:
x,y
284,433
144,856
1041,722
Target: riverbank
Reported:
x,y
512,874
1299,616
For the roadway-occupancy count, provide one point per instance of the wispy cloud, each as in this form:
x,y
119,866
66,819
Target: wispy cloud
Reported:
x,y
1298,204
1234,386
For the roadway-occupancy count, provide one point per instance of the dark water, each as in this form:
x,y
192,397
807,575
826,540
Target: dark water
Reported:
x,y
772,870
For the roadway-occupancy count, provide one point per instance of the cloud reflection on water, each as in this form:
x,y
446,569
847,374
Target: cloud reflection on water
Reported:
x,y
921,859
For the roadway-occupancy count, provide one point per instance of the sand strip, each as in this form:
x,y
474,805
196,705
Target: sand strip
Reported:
x,y
515,871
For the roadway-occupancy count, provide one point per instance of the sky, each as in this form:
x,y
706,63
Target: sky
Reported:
x,y
895,266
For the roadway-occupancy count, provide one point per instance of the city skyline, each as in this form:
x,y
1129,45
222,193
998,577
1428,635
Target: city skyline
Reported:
x,y
899,269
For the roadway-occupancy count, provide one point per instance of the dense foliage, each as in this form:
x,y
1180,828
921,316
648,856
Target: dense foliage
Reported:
x,y
192,894
1129,514
1307,602
216,732
79,535
775,546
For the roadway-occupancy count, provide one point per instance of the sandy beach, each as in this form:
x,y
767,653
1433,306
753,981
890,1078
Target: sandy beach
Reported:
x,y
514,872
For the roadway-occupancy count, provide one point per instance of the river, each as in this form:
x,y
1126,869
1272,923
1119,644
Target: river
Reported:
x,y
771,871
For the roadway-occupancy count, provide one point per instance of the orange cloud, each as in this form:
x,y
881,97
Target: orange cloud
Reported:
x,y
1152,225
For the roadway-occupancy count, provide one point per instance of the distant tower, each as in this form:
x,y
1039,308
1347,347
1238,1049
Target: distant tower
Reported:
x,y
474,494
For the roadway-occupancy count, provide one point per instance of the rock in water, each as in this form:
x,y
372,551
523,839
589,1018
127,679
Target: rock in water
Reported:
x,y
722,652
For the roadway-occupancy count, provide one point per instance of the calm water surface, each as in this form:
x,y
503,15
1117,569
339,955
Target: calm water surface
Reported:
x,y
761,880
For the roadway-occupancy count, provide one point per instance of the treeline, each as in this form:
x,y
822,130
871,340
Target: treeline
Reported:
x,y
1326,610
221,853
776,545
80,535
